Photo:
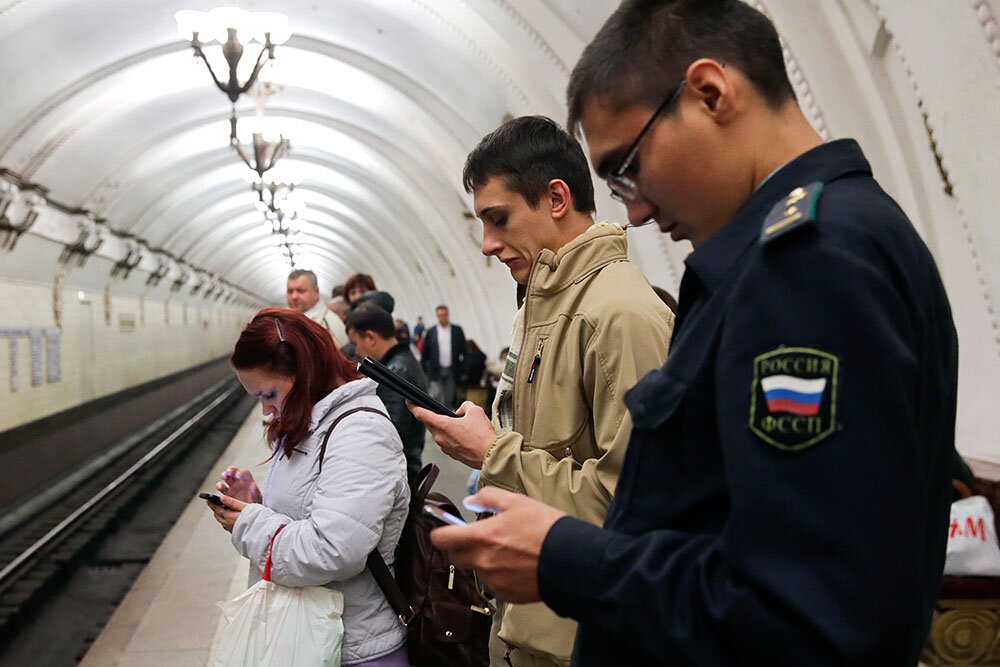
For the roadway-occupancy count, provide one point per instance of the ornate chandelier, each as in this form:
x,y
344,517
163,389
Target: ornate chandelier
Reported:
x,y
234,29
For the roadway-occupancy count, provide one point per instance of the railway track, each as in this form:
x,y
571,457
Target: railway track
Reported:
x,y
70,524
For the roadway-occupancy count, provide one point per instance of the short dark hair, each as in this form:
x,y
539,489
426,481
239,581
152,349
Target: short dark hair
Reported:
x,y
298,273
441,307
643,50
369,317
528,152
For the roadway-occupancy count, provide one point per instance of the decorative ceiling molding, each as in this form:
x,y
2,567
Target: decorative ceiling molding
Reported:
x,y
535,35
988,22
11,6
480,53
803,91
943,161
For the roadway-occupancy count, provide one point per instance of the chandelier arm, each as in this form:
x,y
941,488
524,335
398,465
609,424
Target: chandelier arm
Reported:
x,y
256,70
279,151
201,54
243,155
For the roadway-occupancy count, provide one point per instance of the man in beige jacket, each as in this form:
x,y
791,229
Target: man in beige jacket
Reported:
x,y
589,327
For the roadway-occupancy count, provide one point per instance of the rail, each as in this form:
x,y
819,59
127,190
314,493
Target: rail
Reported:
x,y
8,575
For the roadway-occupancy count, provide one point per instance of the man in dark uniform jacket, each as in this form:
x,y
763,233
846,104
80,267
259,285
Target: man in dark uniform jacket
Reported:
x,y
785,495
373,333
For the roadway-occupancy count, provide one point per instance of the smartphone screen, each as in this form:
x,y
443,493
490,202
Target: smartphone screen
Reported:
x,y
444,517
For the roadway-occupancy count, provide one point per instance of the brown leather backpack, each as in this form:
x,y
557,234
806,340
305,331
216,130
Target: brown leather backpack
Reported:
x,y
447,618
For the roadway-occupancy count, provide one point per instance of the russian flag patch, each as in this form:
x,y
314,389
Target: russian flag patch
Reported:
x,y
794,397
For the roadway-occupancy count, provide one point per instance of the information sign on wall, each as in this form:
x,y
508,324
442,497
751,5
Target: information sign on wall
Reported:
x,y
52,362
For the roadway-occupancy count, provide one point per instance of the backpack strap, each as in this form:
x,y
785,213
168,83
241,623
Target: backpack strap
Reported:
x,y
422,486
326,438
390,589
376,564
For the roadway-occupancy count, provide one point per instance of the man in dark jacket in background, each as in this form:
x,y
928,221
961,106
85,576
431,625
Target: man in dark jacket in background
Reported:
x,y
442,356
373,332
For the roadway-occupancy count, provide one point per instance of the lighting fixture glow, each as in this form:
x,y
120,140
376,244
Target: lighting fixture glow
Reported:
x,y
234,28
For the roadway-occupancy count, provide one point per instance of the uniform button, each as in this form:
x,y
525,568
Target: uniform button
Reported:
x,y
448,633
568,451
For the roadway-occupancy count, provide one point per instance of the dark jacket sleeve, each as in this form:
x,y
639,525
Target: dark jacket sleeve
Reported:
x,y
395,404
458,349
429,353
823,558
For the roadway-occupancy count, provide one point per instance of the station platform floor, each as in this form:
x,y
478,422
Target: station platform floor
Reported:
x,y
169,617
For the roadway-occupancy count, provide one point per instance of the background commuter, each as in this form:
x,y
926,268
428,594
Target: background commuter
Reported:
x,y
337,504
372,331
302,292
442,356
494,369
812,380
339,306
360,288
559,428
403,336
473,370
356,285
418,331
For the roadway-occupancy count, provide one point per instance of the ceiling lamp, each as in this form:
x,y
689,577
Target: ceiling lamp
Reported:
x,y
268,146
233,28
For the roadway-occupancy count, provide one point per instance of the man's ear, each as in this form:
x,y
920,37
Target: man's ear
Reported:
x,y
711,83
560,198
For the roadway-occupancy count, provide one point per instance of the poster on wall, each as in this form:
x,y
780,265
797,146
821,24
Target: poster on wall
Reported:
x,y
48,370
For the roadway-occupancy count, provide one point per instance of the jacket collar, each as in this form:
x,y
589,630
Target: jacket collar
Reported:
x,y
339,399
317,312
715,258
396,349
602,244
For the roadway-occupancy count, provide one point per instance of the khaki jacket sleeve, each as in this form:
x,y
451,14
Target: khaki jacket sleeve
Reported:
x,y
622,349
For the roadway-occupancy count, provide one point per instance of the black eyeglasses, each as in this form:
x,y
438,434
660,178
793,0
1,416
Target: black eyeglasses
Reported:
x,y
624,188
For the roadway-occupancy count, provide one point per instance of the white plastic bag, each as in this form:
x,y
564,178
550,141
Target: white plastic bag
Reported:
x,y
972,539
277,626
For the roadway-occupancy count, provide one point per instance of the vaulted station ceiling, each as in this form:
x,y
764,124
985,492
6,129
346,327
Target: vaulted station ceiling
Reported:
x,y
106,107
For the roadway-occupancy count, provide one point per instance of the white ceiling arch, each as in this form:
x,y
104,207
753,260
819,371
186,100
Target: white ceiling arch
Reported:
x,y
105,107
382,98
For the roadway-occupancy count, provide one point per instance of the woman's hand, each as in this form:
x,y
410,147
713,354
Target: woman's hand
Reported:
x,y
239,484
227,516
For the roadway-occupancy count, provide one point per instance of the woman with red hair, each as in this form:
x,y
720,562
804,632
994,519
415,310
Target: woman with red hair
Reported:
x,y
335,502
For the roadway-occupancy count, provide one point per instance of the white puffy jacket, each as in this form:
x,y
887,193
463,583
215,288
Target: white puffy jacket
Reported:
x,y
333,519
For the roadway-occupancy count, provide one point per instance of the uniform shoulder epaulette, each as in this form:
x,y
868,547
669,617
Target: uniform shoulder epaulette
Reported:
x,y
796,210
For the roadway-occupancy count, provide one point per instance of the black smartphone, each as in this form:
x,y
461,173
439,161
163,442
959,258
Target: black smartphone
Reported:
x,y
385,377
212,498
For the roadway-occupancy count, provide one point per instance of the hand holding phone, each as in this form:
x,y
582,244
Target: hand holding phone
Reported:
x,y
387,378
445,518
